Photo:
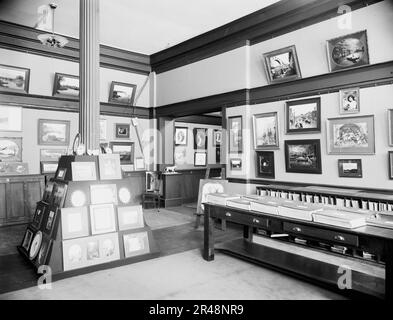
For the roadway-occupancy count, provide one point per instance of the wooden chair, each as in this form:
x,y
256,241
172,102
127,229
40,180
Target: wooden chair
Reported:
x,y
153,196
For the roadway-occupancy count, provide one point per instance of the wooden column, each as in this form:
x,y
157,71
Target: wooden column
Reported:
x,y
89,72
166,127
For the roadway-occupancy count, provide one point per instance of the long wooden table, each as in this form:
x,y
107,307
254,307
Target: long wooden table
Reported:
x,y
372,239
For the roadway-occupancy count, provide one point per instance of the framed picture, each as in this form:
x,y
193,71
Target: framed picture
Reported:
x,y
390,157
390,129
58,194
136,244
351,135
200,159
348,51
125,150
265,164
152,180
130,217
11,149
303,116
123,93
109,166
122,130
77,198
207,186
74,222
282,65
181,134
102,217
27,239
60,174
53,132
38,215
179,155
74,254
48,167
103,193
45,249
14,168
349,101
140,163
218,154
48,192
51,221
10,118
235,131
236,164
14,79
84,171
35,245
200,138
66,86
217,137
108,247
303,156
103,129
265,127
350,168
52,154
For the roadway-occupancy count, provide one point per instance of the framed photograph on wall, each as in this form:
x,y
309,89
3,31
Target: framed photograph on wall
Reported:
x,y
235,131
351,135
122,130
102,217
122,93
52,155
180,155
265,164
349,101
303,116
53,132
390,129
125,150
350,168
236,164
390,157
11,149
217,137
200,138
200,159
14,79
47,167
181,134
265,129
282,65
66,86
348,51
303,156
10,118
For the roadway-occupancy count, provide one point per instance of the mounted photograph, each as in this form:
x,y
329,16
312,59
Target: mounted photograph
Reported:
x,y
303,156
303,116
14,79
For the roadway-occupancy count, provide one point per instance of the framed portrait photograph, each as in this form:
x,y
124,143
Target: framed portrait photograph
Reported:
x,y
217,137
122,130
349,101
38,215
103,129
303,156
14,79
350,168
102,217
122,93
66,86
53,132
11,149
235,131
84,171
390,158
181,134
348,51
236,164
109,166
303,116
200,159
124,149
265,129
27,239
103,193
52,154
136,244
390,129
130,217
10,118
47,167
74,222
200,138
351,135
265,164
282,65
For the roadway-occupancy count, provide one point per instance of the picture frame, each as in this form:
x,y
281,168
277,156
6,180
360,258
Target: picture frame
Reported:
x,y
265,164
14,168
207,186
152,180
27,239
109,166
130,217
74,222
351,135
50,224
265,131
48,167
124,195
122,130
200,138
45,250
74,254
10,118
10,149
122,93
108,247
61,173
348,51
35,245
235,132
38,215
14,79
66,86
136,244
103,193
236,164
282,65
52,155
350,168
390,129
180,155
200,159
218,154
84,171
349,101
48,192
181,135
53,132
303,116
217,137
103,129
303,156
102,218
58,194
124,149
139,163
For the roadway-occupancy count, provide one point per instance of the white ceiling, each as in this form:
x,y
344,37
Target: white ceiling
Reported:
x,y
144,26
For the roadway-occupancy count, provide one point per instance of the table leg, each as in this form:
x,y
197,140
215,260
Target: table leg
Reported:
x,y
247,233
389,272
208,240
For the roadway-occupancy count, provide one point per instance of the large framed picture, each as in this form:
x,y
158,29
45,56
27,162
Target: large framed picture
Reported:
x,y
109,165
303,116
217,137
102,217
11,149
390,158
200,159
390,129
74,254
282,65
53,132
74,222
130,217
348,51
265,128
124,149
10,118
349,101
265,164
122,130
200,138
303,156
122,93
350,168
351,135
136,244
181,134
235,131
14,79
66,86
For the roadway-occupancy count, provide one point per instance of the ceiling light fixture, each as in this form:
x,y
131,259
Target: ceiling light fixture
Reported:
x,y
51,39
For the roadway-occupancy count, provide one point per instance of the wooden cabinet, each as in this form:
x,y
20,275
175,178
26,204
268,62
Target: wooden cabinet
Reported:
x,y
18,198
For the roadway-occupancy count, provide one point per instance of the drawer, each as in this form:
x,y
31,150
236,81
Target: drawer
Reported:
x,y
330,235
242,218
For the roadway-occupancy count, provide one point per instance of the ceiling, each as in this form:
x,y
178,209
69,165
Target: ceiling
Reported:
x,y
144,26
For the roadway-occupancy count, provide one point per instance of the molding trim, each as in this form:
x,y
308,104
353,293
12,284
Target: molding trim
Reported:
x,y
201,119
24,39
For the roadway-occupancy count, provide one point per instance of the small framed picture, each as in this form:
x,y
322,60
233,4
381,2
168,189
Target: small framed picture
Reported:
x,y
66,86
122,93
58,194
390,155
43,254
350,168
265,129
11,149
74,222
130,217
35,245
140,163
125,150
27,239
84,171
349,101
14,79
52,154
109,166
53,132
51,221
122,130
303,156
181,134
74,253
236,164
102,217
38,215
390,124
10,118
217,137
303,116
61,173
200,159
180,155
200,138
265,164
136,244
47,167
218,154
235,131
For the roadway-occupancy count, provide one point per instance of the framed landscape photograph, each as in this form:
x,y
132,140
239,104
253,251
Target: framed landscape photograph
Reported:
x,y
48,167
10,118
181,134
349,101
236,164
303,156
217,137
390,158
303,116
265,128
351,135
348,51
200,138
66,86
125,150
11,149
350,168
390,129
52,154
265,164
122,93
122,130
53,132
282,65
14,79
235,131
200,159
14,168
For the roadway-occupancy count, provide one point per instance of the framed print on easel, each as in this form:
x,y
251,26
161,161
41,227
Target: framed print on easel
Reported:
x,y
235,131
